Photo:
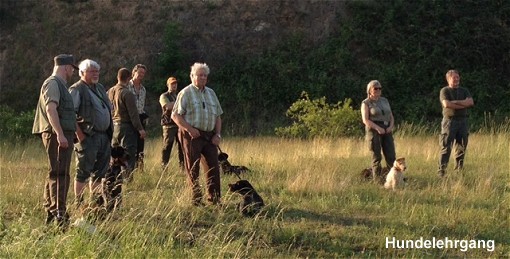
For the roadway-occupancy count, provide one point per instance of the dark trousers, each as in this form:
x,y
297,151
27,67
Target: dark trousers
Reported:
x,y
376,143
125,135
140,143
92,157
57,182
113,186
169,137
194,150
453,130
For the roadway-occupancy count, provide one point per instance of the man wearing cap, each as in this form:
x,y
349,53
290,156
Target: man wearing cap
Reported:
x,y
197,112
55,122
93,131
127,125
167,101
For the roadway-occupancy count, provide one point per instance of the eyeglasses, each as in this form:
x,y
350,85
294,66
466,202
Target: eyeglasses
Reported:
x,y
377,88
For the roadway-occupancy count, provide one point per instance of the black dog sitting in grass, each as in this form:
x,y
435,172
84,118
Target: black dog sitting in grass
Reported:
x,y
252,202
228,168
114,178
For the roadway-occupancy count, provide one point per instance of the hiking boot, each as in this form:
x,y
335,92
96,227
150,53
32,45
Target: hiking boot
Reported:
x,y
49,217
198,203
62,222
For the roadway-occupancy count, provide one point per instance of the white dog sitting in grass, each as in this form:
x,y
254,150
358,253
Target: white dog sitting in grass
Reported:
x,y
395,178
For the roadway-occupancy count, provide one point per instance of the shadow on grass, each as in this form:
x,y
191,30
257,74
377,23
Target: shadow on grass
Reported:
x,y
299,214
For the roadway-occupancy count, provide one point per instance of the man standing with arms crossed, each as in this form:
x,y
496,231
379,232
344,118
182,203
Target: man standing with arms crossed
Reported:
x,y
197,112
454,127
55,122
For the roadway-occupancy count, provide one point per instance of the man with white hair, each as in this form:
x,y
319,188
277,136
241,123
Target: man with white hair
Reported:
x,y
197,112
93,131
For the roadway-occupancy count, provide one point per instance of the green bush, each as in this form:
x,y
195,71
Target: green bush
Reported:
x,y
173,61
316,118
15,124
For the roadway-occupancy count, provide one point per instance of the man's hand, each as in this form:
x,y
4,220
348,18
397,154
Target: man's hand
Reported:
x,y
216,139
62,141
80,135
143,134
194,133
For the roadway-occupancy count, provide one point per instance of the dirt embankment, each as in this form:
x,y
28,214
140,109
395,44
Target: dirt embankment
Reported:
x,y
123,33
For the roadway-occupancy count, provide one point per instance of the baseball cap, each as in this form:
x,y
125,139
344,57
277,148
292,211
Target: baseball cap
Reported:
x,y
171,80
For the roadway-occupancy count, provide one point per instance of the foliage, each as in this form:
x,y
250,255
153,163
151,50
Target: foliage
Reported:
x,y
15,124
316,118
407,45
172,61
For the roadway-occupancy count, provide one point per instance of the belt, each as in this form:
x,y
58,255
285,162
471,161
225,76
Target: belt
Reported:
x,y
456,118
385,123
119,123
207,135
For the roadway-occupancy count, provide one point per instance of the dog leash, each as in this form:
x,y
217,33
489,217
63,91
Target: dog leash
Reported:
x,y
236,173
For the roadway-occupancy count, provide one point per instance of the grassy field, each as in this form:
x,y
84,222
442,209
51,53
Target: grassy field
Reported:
x,y
316,205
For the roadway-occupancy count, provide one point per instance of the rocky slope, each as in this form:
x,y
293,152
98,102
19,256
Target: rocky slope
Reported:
x,y
122,33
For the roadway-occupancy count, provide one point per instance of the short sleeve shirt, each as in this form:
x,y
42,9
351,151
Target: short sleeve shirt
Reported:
x,y
200,108
163,99
379,110
51,92
102,112
139,96
453,94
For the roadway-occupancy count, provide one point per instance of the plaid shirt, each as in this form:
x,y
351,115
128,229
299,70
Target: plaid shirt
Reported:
x,y
140,96
199,108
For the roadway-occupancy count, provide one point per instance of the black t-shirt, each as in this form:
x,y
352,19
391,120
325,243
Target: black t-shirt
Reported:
x,y
452,94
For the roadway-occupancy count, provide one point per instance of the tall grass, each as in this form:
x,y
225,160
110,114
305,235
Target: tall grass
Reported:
x,y
317,205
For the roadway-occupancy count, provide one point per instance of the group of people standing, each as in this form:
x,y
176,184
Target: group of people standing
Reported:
x,y
95,120
379,124
83,115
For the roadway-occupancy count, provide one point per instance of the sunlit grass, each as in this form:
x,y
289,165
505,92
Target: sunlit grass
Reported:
x,y
317,205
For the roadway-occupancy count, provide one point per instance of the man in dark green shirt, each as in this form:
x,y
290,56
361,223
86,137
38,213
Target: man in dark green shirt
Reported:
x,y
55,122
454,127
